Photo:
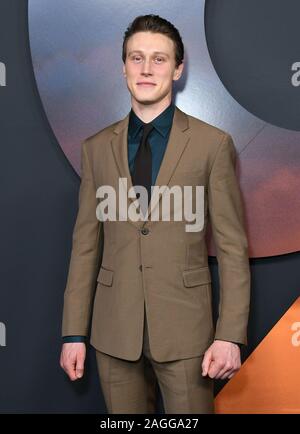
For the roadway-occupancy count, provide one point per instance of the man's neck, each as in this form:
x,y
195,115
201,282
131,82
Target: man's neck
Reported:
x,y
148,112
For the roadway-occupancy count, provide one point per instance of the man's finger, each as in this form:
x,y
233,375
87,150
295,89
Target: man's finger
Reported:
x,y
79,367
214,369
228,368
231,374
226,374
206,362
70,370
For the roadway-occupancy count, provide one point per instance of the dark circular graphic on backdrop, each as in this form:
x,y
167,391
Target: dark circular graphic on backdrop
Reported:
x,y
254,47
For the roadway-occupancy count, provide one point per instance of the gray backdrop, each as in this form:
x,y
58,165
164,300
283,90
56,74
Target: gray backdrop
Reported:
x,y
39,190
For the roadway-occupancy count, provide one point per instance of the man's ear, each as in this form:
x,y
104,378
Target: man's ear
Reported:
x,y
124,70
178,72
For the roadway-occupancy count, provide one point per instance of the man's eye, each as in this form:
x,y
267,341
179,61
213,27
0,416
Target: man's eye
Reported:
x,y
137,58
159,59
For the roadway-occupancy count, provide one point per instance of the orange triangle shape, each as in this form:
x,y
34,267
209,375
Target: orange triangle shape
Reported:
x,y
269,380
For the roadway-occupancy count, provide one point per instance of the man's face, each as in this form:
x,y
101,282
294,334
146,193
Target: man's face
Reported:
x,y
150,67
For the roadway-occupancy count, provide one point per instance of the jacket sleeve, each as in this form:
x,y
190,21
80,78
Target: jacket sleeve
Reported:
x,y
228,228
84,261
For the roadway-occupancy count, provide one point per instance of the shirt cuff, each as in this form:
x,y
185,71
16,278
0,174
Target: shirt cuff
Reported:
x,y
76,338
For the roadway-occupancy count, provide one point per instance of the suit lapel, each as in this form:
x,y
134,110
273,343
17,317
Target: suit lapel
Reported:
x,y
178,140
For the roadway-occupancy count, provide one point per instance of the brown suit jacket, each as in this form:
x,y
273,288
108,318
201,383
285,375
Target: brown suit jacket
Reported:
x,y
164,266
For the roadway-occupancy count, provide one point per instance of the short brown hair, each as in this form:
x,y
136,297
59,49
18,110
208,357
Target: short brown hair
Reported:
x,y
155,24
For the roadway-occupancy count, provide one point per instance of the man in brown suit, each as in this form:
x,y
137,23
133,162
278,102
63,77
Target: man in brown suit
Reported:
x,y
150,298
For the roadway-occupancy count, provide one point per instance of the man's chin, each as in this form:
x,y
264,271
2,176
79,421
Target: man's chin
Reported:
x,y
146,101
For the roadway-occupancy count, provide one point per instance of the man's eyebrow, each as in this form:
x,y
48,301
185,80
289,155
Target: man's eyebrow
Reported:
x,y
155,52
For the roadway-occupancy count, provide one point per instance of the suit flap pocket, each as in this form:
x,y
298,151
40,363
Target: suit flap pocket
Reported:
x,y
199,276
105,276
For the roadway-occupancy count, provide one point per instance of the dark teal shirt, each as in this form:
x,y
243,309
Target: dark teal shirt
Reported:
x,y
158,139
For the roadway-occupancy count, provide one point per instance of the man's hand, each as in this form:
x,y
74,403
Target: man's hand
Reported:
x,y
221,360
72,359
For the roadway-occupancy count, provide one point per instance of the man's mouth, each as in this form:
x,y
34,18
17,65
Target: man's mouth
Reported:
x,y
146,84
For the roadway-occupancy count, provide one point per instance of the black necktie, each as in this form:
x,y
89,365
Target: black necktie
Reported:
x,y
142,172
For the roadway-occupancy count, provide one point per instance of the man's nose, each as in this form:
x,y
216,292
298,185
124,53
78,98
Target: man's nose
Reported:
x,y
146,69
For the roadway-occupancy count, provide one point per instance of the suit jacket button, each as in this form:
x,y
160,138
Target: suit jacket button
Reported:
x,y
140,267
145,231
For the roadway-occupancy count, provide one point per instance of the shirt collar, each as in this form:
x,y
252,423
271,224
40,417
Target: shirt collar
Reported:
x,y
162,123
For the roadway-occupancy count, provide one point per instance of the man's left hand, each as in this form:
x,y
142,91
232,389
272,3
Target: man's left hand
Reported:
x,y
221,360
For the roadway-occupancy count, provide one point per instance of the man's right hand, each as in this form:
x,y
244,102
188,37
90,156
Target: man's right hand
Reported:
x,y
72,359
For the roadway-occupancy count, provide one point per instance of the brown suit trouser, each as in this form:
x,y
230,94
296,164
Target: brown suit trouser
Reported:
x,y
131,386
